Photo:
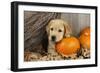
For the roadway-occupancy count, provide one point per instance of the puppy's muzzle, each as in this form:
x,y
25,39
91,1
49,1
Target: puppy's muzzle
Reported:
x,y
53,38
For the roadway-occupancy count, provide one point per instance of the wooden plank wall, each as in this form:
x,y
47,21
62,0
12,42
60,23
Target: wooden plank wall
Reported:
x,y
77,21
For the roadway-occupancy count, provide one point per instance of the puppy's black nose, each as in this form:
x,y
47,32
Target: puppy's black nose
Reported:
x,y
53,38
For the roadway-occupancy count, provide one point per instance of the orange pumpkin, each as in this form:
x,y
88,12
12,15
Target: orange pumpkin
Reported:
x,y
85,31
68,46
85,38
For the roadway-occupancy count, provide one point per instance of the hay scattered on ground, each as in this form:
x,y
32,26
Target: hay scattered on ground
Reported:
x,y
32,56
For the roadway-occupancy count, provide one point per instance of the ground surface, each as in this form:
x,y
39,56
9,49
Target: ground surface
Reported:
x,y
32,56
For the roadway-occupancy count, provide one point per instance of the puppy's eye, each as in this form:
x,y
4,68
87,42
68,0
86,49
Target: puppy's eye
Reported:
x,y
51,29
59,30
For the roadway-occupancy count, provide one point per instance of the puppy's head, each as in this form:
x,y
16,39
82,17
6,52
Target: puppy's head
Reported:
x,y
57,29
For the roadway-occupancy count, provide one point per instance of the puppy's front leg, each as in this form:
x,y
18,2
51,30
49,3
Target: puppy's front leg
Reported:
x,y
52,50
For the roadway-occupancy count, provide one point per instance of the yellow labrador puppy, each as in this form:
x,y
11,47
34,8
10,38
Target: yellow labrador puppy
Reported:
x,y
57,29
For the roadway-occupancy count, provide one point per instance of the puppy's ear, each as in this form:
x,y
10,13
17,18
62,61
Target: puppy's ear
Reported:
x,y
68,30
48,27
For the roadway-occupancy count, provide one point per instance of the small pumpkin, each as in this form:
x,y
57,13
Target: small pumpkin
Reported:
x,y
85,38
68,46
85,31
